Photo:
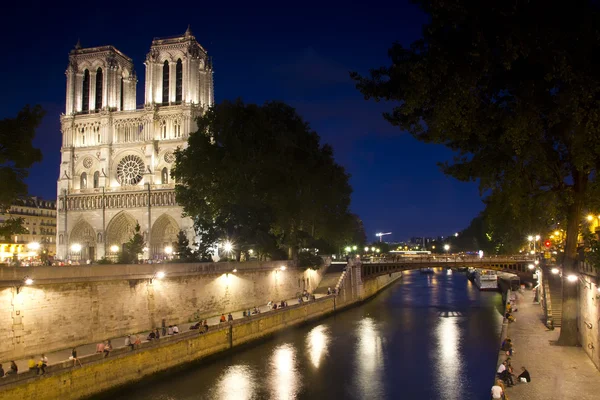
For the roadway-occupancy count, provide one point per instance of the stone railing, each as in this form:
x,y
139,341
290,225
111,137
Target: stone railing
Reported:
x,y
14,276
94,201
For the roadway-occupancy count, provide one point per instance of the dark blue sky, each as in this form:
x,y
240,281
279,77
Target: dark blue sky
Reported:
x,y
299,52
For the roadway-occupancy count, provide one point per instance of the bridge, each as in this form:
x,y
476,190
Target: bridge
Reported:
x,y
517,265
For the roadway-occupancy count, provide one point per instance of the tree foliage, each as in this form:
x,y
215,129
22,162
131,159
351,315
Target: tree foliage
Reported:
x,y
17,155
183,251
133,248
513,88
259,177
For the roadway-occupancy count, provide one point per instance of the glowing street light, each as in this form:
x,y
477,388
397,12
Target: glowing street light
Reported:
x,y
366,249
76,247
35,246
114,248
169,250
446,247
572,278
531,266
348,249
283,268
354,248
28,281
555,271
160,274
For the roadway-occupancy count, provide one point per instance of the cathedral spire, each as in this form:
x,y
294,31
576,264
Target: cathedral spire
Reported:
x,y
188,31
78,45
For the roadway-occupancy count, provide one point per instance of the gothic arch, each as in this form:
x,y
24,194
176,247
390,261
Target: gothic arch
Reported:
x,y
84,235
164,233
120,229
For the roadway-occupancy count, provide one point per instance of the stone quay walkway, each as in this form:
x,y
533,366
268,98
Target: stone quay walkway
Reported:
x,y
557,372
59,356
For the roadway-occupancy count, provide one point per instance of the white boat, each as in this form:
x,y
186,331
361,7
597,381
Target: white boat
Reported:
x,y
486,279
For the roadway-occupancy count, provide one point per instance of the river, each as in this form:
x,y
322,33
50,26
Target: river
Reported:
x,y
429,336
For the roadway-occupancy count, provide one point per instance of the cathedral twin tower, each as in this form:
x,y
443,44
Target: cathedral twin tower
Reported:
x,y
116,157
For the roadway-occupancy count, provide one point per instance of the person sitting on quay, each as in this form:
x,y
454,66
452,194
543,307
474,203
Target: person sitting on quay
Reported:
x,y
282,304
175,329
229,317
156,334
43,363
328,291
524,375
100,347
196,326
74,356
1,371
170,330
151,336
205,326
501,369
497,392
256,310
32,364
107,348
137,341
13,369
222,319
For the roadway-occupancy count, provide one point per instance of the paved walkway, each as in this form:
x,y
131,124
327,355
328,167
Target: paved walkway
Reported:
x,y
557,372
87,349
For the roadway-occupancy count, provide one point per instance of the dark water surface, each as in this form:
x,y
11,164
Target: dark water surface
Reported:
x,y
426,337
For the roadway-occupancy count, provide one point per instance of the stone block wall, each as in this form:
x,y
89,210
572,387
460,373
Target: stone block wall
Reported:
x,y
69,306
589,318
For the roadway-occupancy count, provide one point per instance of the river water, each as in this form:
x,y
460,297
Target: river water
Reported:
x,y
429,336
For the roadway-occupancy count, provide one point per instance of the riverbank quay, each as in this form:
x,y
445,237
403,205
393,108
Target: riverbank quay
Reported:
x,y
557,372
124,366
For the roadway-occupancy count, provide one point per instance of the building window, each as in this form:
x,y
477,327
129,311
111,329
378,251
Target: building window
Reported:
x,y
83,181
99,89
163,129
96,179
164,176
165,96
60,239
122,95
178,81
85,104
177,128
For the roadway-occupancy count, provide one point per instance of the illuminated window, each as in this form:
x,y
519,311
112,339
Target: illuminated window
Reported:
x,y
178,81
122,98
164,179
85,104
98,89
83,181
165,96
96,179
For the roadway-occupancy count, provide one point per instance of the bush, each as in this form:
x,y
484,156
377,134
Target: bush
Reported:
x,y
309,260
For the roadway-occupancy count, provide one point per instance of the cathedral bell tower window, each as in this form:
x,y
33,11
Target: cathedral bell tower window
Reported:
x,y
178,82
164,176
83,181
96,179
85,103
165,94
98,89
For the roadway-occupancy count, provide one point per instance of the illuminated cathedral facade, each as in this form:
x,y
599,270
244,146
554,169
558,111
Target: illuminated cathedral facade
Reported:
x,y
116,156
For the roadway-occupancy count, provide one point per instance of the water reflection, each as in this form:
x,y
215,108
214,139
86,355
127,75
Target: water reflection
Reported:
x,y
369,360
316,342
448,363
236,383
283,374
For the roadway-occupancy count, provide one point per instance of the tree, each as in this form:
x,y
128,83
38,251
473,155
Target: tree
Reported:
x,y
17,154
514,89
259,176
184,253
133,248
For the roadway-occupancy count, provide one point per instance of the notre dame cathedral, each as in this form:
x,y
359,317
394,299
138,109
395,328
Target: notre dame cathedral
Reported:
x,y
117,156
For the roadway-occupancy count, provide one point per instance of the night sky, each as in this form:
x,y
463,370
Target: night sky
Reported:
x,y
299,52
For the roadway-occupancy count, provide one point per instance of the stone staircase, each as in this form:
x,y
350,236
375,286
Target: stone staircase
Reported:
x,y
553,289
331,278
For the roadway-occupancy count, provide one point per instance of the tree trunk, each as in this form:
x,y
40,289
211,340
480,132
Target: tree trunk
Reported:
x,y
568,332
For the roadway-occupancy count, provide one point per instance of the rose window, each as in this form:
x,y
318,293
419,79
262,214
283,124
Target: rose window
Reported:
x,y
130,170
87,162
169,157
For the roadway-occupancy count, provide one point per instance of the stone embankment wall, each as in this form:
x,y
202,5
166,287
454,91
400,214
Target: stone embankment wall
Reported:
x,y
589,316
125,366
69,306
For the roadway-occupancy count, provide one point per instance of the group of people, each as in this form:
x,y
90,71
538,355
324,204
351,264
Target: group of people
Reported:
x,y
104,347
198,324
248,313
12,370
510,309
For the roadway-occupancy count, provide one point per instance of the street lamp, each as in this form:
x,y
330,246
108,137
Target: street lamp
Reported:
x,y
366,249
446,247
169,251
157,275
26,281
348,249
354,248
35,246
114,248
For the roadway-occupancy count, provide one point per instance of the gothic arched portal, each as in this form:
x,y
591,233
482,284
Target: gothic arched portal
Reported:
x,y
120,229
164,233
82,242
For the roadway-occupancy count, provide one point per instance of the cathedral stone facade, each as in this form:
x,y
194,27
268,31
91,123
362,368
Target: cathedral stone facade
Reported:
x,y
117,156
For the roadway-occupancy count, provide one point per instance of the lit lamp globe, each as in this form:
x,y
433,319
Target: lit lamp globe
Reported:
x,y
76,247
114,248
446,247
35,246
168,250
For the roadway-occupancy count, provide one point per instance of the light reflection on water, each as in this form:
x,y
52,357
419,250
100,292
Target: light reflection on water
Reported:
x,y
369,357
449,360
283,373
237,382
316,344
